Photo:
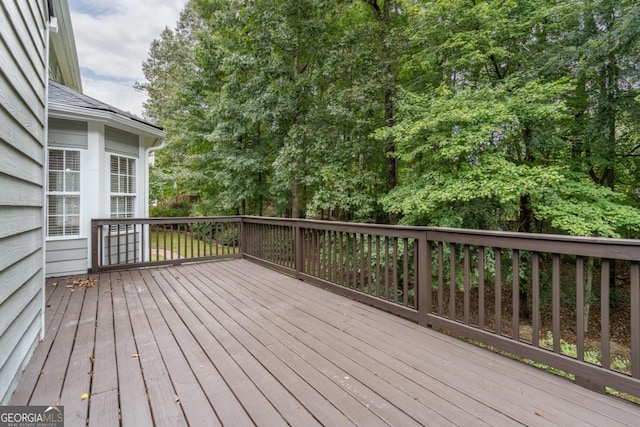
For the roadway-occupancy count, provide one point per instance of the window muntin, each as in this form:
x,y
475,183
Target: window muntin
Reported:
x,y
123,186
63,193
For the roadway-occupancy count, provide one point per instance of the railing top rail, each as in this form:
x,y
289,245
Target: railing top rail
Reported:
x,y
625,249
166,220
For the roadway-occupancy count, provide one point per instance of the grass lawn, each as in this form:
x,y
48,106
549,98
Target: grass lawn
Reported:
x,y
173,245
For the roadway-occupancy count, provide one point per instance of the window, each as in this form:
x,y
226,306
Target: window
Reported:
x,y
123,187
63,193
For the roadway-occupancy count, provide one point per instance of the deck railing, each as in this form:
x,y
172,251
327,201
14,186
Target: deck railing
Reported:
x,y
143,242
571,303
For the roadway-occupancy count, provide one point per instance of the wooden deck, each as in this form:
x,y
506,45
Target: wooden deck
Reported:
x,y
233,343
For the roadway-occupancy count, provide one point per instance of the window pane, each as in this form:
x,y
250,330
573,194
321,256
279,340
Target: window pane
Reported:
x,y
72,161
56,160
72,205
56,181
63,208
72,182
56,205
55,226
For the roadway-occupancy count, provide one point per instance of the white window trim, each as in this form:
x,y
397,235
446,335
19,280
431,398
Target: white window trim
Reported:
x,y
48,193
136,194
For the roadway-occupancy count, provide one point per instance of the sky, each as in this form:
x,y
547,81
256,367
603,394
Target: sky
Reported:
x,y
113,40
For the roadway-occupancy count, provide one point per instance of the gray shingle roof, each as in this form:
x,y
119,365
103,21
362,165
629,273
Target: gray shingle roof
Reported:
x,y
61,94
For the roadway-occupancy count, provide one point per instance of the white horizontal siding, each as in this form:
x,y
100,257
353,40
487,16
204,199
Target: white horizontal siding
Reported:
x,y
66,257
22,127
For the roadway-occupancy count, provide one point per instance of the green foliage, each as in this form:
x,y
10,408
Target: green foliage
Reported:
x,y
516,115
171,210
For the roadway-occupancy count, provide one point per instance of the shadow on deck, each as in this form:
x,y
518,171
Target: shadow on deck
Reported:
x,y
234,343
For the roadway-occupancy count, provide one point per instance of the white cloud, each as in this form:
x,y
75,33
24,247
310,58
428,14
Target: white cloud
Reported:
x,y
113,40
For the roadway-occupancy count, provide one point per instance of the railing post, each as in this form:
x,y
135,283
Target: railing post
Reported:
x,y
424,279
298,247
95,267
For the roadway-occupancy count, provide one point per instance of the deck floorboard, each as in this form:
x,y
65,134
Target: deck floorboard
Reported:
x,y
233,343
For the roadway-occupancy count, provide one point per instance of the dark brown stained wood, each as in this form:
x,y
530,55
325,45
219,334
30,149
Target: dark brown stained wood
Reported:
x,y
259,343
57,299
635,319
493,374
79,370
160,389
212,362
298,354
253,346
104,386
225,350
339,367
49,386
188,392
134,405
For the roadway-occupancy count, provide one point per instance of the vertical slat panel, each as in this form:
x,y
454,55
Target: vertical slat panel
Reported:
x,y
452,281
555,296
604,313
635,319
481,307
498,292
515,315
535,296
580,308
467,274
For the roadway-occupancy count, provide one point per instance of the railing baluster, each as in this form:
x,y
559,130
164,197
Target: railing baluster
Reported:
x,y
635,319
481,287
405,273
515,312
378,278
604,313
369,264
440,279
535,297
452,281
555,284
394,281
498,292
386,268
467,274
362,267
580,308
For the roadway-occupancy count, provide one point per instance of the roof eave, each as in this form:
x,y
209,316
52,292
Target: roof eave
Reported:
x,y
69,111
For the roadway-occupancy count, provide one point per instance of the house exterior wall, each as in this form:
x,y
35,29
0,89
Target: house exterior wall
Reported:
x,y
22,158
97,142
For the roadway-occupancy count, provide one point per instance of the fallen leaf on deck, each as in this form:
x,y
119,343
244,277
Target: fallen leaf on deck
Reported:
x,y
135,355
69,286
177,399
54,284
84,396
86,283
